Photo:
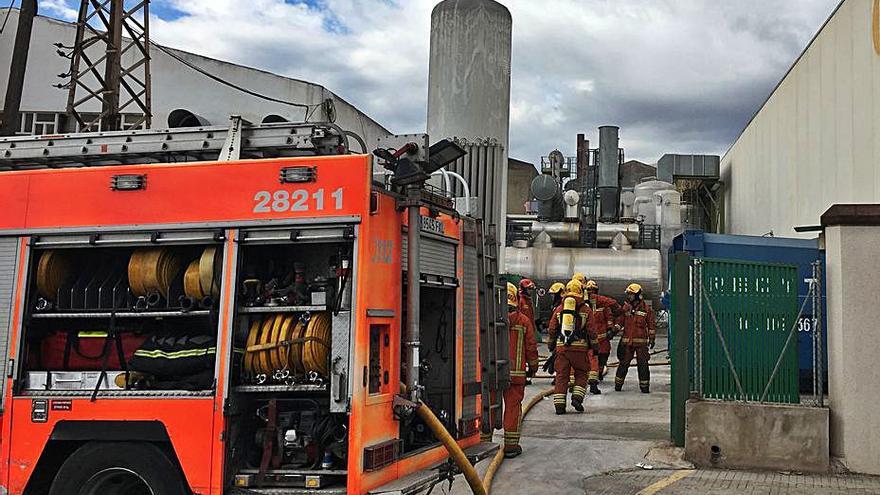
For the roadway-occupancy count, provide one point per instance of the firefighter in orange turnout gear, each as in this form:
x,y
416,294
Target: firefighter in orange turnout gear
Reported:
x,y
525,301
568,339
639,333
610,310
523,363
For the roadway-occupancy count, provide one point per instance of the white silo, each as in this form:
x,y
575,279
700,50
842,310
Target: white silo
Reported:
x,y
469,95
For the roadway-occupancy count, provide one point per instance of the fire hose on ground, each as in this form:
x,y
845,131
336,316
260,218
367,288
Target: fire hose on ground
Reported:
x,y
484,486
478,487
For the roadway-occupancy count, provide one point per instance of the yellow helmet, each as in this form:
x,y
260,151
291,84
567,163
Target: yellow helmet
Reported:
x,y
592,285
634,289
574,287
556,288
512,295
580,277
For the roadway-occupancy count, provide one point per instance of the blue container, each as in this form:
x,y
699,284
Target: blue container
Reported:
x,y
800,252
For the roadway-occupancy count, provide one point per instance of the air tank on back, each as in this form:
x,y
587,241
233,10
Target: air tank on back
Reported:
x,y
469,95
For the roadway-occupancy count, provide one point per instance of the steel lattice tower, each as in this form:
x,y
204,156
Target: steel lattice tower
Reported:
x,y
110,63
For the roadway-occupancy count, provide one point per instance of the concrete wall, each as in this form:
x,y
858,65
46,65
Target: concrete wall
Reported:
x,y
853,266
175,85
817,140
754,436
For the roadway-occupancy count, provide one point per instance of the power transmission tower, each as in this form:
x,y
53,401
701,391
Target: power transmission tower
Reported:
x,y
114,38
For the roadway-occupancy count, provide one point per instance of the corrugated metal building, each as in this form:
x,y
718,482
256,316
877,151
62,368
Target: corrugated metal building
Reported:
x,y
816,141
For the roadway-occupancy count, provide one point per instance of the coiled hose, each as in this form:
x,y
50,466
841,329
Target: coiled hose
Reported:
x,y
152,270
285,342
53,270
316,344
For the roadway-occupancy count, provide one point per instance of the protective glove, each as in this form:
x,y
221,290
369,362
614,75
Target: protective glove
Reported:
x,y
550,364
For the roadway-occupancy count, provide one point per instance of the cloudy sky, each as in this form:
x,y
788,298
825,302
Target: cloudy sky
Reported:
x,y
675,75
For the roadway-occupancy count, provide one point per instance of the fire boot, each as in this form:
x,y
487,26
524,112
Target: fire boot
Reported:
x,y
618,387
512,451
560,409
646,389
577,404
594,389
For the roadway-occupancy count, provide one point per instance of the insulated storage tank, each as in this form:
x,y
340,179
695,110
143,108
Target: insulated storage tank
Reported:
x,y
469,94
613,270
644,205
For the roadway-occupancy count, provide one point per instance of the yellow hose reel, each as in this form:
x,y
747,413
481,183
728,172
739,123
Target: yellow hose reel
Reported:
x,y
53,270
284,342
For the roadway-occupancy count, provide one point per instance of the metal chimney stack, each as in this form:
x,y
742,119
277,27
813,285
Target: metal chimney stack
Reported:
x,y
609,173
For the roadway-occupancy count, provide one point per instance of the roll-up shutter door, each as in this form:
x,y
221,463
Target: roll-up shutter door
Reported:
x,y
437,256
8,261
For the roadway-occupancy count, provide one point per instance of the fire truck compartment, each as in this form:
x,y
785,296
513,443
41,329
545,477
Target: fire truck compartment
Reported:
x,y
120,315
293,297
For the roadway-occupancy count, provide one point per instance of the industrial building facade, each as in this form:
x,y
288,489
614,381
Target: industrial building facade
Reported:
x,y
181,96
816,141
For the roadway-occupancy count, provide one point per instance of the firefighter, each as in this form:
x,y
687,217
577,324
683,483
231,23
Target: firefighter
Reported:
x,y
523,364
556,291
569,341
610,308
526,304
637,320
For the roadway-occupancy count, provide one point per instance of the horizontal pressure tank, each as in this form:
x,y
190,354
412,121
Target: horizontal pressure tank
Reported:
x,y
613,270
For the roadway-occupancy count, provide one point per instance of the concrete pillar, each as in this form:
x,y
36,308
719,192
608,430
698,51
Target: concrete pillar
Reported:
x,y
852,234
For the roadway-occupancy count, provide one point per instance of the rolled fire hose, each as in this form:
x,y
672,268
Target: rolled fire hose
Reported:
x,y
200,279
282,342
152,270
53,270
316,345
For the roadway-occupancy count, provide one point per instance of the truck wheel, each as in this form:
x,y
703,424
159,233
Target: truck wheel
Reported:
x,y
118,468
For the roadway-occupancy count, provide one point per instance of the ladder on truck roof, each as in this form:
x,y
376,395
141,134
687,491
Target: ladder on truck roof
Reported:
x,y
239,140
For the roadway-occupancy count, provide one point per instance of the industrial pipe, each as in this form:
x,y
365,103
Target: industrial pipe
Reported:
x,y
413,292
613,270
465,187
447,184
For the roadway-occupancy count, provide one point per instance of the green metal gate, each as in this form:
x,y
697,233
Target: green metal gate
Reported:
x,y
744,313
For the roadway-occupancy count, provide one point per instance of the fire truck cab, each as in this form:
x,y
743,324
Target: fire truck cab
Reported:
x,y
239,326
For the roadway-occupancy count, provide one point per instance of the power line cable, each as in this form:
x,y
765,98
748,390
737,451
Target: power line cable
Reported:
x,y
5,19
308,108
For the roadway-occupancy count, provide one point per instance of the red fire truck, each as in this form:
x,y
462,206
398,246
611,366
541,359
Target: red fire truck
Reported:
x,y
230,310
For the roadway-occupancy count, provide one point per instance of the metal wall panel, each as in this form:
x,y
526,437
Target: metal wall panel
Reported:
x,y
8,261
814,142
437,257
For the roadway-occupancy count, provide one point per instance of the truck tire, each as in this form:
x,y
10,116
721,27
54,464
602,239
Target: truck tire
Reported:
x,y
118,468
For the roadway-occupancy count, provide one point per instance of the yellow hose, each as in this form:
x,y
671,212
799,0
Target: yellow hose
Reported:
x,y
452,447
455,452
499,456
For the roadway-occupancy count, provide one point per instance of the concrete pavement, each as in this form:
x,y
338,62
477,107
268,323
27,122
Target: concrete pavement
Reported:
x,y
597,452
615,433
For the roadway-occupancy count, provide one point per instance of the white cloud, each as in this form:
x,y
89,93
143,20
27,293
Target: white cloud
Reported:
x,y
679,76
